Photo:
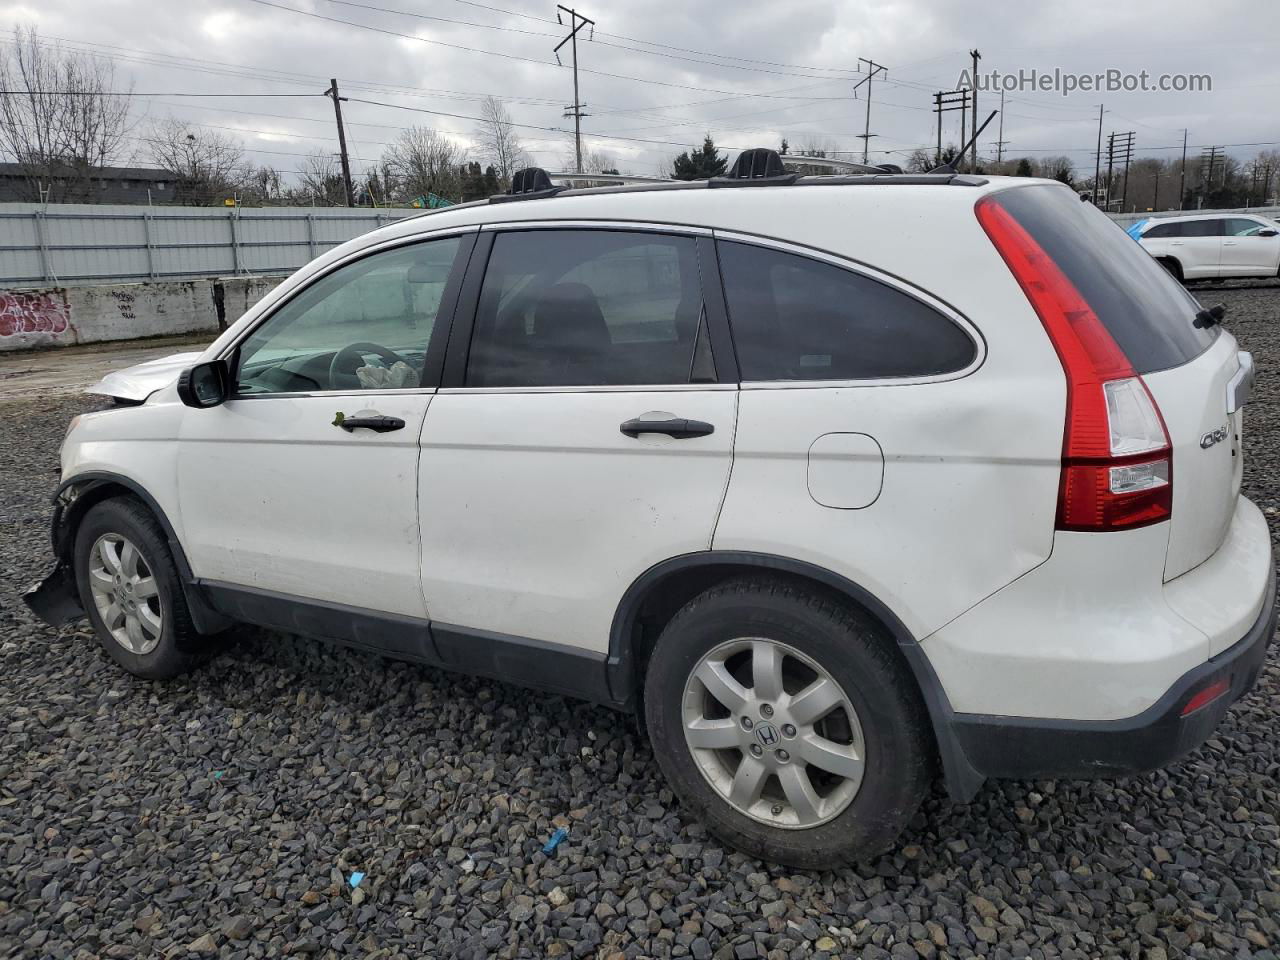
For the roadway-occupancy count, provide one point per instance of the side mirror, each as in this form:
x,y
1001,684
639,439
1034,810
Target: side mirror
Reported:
x,y
1267,232
205,385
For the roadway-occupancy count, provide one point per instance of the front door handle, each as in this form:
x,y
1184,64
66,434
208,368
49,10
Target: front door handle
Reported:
x,y
676,428
376,424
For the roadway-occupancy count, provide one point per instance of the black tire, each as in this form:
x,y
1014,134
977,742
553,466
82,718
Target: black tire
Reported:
x,y
1173,266
176,651
899,755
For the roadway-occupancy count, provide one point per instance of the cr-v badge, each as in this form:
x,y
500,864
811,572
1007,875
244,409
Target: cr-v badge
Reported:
x,y
1215,436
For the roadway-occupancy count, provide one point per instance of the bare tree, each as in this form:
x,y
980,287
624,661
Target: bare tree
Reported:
x,y
263,184
60,118
207,166
425,161
593,161
320,182
816,147
498,142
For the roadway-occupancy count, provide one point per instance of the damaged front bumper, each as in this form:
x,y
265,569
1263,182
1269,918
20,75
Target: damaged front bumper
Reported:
x,y
55,599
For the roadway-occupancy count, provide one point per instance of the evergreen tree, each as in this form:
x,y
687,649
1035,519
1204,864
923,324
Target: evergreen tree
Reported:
x,y
1024,169
700,164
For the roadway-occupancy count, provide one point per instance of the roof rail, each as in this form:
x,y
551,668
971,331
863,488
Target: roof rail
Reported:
x,y
759,167
531,183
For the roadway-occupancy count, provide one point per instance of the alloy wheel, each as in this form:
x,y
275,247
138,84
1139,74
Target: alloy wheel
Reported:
x,y
125,593
773,733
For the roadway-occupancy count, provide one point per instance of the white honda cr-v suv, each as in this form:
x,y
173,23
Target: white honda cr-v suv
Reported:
x,y
837,482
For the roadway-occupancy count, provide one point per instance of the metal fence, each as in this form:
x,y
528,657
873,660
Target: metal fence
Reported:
x,y
73,243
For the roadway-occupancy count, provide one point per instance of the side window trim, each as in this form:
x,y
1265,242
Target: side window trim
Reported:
x,y
435,354
865,270
463,327
458,343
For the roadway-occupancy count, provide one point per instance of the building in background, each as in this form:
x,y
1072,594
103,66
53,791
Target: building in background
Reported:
x,y
24,183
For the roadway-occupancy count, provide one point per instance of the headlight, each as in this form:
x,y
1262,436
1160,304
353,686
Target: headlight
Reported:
x,y
71,425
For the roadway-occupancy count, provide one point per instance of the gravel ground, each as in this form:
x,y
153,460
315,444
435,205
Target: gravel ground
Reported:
x,y
223,814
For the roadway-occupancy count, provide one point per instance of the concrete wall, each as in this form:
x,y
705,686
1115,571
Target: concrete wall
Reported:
x,y
62,316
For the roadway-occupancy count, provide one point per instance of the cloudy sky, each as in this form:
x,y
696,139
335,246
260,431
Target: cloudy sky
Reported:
x,y
657,76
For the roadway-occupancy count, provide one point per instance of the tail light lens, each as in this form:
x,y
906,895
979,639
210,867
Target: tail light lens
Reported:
x,y
1117,462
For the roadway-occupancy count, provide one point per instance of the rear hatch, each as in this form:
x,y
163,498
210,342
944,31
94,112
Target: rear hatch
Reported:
x,y
1187,366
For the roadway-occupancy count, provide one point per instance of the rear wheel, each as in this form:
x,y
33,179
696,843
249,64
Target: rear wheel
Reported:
x,y
787,725
129,588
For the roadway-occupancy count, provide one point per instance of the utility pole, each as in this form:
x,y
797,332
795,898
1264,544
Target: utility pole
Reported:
x,y
576,22
1182,177
945,101
973,162
937,108
872,69
332,92
1128,156
1210,159
1111,150
1001,142
1097,158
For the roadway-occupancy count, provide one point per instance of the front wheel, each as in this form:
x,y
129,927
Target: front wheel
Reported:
x,y
786,722
130,589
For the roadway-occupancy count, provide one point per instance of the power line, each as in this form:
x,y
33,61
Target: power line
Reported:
x,y
667,46
516,57
620,46
132,93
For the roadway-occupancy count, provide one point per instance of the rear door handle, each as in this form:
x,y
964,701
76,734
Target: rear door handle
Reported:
x,y
677,428
376,424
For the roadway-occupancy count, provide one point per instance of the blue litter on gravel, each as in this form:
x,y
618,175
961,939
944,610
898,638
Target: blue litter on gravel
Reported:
x,y
556,839
356,877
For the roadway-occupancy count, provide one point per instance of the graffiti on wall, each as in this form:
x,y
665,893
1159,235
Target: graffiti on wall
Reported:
x,y
28,313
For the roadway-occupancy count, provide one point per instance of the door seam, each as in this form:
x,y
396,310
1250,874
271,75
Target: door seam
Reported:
x,y
733,456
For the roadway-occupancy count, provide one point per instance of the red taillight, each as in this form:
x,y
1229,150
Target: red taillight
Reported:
x,y
1117,463
1206,696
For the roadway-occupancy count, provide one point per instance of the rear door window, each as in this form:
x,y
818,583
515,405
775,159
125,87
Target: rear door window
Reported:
x,y
1147,311
589,308
1202,228
797,318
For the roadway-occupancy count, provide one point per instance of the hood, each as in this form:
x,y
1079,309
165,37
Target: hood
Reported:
x,y
138,382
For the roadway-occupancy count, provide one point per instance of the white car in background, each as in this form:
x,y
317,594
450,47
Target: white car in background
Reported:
x,y
1212,246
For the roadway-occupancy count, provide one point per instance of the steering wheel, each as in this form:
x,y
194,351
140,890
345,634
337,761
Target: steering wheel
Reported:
x,y
342,369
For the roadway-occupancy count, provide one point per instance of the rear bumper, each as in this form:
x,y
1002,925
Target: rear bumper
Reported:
x,y
1032,748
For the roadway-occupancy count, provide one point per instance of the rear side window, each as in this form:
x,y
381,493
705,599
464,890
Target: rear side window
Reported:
x,y
1163,230
589,308
796,318
1202,228
1147,312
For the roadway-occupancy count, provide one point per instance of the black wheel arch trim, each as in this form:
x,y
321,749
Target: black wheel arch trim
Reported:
x,y
68,514
963,780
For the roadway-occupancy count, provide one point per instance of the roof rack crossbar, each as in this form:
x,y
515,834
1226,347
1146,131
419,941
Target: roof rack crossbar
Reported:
x,y
531,183
759,167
